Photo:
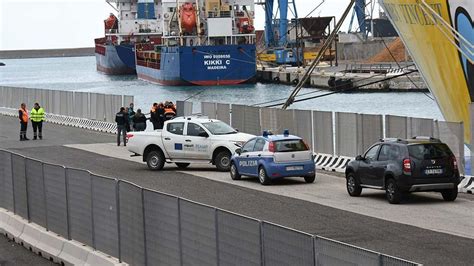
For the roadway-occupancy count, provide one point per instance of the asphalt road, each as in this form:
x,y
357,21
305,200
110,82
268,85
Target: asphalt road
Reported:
x,y
14,254
380,234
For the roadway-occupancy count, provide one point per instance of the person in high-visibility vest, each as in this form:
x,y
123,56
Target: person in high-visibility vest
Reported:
x,y
23,115
37,118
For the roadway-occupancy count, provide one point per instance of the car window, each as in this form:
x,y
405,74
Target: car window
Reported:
x,y
194,130
217,127
429,151
259,144
371,154
175,128
384,152
290,145
395,153
248,147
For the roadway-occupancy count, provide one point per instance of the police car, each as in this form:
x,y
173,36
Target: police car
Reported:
x,y
186,140
270,157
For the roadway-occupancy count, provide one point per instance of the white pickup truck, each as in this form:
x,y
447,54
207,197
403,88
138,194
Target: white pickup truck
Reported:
x,y
186,140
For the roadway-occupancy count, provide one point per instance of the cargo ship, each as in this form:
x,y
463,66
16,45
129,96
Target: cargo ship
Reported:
x,y
136,22
204,43
439,35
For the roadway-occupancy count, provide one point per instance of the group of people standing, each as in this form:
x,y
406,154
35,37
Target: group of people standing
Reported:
x,y
36,116
160,112
128,120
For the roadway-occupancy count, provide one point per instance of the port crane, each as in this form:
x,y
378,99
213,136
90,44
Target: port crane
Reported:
x,y
285,50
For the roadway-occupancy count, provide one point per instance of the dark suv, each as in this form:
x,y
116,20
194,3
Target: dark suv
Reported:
x,y
403,166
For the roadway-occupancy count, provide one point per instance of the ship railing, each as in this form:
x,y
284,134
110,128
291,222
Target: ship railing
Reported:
x,y
226,40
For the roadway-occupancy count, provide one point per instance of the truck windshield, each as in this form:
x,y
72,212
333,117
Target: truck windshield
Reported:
x,y
219,128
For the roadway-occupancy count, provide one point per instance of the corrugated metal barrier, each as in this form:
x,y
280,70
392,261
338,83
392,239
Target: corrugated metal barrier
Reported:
x,y
145,227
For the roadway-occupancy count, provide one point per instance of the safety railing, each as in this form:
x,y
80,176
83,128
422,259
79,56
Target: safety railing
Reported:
x,y
140,226
85,123
92,106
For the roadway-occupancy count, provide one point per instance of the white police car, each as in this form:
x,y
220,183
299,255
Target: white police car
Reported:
x,y
270,157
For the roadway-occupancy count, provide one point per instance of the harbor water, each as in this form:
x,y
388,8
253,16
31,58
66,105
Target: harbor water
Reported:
x,y
79,74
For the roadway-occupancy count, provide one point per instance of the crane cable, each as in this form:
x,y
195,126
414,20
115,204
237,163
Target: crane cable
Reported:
x,y
326,45
343,90
338,86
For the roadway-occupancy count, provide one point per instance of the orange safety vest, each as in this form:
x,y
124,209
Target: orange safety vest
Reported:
x,y
24,117
169,110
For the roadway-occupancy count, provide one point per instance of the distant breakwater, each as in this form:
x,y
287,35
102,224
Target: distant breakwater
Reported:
x,y
42,53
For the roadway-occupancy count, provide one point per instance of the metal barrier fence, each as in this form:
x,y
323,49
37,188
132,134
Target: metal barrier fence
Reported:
x,y
144,227
342,135
93,106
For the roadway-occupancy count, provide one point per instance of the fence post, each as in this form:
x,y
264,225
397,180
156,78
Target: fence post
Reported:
x,y
94,245
216,225
27,196
180,234
13,184
44,198
262,248
144,225
68,219
117,199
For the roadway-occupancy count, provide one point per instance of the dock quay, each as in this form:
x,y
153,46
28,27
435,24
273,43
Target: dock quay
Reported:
x,y
377,76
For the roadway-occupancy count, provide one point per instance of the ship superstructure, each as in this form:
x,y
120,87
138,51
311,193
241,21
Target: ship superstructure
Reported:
x,y
136,21
205,42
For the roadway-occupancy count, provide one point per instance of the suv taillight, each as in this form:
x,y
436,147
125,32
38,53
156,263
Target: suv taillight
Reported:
x,y
129,136
271,146
407,165
455,162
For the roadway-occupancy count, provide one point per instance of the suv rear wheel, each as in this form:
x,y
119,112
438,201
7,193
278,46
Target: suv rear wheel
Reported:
x,y
353,187
450,194
394,195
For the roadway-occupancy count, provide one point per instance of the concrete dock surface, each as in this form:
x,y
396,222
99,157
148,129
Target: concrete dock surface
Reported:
x,y
424,229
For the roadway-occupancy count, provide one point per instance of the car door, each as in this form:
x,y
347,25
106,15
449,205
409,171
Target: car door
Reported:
x,y
196,142
173,140
366,166
244,160
255,155
380,165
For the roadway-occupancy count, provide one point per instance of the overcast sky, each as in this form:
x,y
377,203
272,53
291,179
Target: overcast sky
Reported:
x,y
43,24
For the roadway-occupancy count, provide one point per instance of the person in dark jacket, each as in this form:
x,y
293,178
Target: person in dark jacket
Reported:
x,y
131,113
121,118
154,117
139,121
23,115
161,115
